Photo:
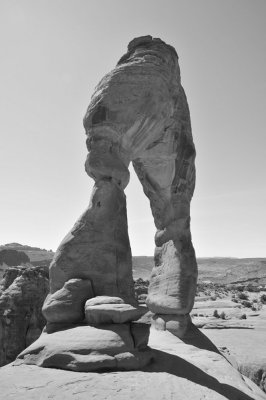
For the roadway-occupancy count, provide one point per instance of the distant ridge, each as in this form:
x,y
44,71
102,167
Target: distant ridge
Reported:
x,y
220,270
36,255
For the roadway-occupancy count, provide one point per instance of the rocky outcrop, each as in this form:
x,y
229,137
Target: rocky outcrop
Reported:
x,y
22,292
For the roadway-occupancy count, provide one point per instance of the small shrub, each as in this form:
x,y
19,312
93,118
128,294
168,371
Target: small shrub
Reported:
x,y
216,314
235,300
263,298
223,315
246,303
243,296
243,316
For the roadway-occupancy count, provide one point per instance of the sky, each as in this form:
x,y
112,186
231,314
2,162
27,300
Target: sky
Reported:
x,y
54,52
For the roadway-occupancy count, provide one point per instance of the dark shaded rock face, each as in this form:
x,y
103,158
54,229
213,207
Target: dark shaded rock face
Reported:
x,y
13,257
22,292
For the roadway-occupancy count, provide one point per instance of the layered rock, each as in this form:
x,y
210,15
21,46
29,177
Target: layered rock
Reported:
x,y
22,292
111,310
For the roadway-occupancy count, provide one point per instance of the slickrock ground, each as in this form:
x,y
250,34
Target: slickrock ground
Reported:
x,y
188,369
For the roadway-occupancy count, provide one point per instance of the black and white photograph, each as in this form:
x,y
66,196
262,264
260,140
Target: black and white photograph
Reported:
x,y
133,201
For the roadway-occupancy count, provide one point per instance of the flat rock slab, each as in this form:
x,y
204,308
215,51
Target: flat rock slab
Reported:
x,y
219,303
182,371
88,348
112,313
217,323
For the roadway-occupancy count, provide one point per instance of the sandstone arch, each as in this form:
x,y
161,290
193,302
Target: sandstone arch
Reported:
x,y
137,113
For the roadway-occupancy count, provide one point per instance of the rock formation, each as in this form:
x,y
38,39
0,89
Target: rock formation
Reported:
x,y
137,113
22,292
182,369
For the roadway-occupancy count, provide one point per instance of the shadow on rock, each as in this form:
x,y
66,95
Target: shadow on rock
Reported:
x,y
172,364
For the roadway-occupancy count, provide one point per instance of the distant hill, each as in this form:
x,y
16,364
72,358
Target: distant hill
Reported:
x,y
13,257
233,270
142,266
36,255
223,270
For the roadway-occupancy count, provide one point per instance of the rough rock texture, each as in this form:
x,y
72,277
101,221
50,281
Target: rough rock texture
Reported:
x,y
176,324
97,248
137,113
67,304
111,310
88,348
22,292
188,369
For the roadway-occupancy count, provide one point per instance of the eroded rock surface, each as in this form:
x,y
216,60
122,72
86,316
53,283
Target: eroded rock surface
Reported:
x,y
97,248
22,292
138,113
67,304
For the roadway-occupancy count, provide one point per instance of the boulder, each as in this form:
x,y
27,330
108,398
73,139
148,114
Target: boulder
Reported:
x,y
67,304
99,300
111,310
